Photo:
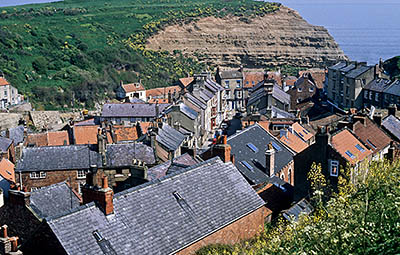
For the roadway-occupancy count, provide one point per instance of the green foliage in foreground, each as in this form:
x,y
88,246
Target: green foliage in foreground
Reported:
x,y
75,52
392,66
359,219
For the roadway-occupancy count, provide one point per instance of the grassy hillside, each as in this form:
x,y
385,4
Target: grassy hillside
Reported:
x,y
73,53
360,219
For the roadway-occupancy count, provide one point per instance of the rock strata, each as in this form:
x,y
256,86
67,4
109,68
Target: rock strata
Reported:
x,y
280,38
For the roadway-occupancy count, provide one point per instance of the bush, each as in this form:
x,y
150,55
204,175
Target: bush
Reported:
x,y
40,64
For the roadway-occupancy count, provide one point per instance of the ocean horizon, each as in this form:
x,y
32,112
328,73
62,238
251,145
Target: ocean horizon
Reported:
x,y
365,30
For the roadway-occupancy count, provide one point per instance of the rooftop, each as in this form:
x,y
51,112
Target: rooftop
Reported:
x,y
85,134
51,138
5,143
119,155
250,145
162,92
302,132
252,78
394,88
174,212
358,71
7,170
169,137
16,134
292,141
53,200
349,147
233,74
3,81
186,81
129,110
371,135
378,85
132,87
392,124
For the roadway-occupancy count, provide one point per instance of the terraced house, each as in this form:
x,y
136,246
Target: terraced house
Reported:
x,y
8,94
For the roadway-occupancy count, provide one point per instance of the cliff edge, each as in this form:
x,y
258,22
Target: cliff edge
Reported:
x,y
279,38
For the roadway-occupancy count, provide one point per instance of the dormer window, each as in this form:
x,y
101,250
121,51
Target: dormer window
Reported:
x,y
299,89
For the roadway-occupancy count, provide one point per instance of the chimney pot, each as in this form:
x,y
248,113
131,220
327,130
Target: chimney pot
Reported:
x,y
14,244
224,139
5,231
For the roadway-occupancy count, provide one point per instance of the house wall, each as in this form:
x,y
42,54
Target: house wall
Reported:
x,y
297,96
284,173
242,229
52,177
9,94
5,186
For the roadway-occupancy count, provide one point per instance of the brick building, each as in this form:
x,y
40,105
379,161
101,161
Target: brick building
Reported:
x,y
180,207
303,91
7,149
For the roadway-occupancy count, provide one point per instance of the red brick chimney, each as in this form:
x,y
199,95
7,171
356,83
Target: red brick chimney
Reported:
x,y
270,160
103,195
8,245
222,150
4,229
17,197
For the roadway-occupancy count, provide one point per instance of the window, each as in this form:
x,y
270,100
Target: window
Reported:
x,y
38,175
227,84
370,95
347,90
371,144
298,100
252,147
334,168
299,89
34,189
81,174
253,83
360,148
366,94
351,155
238,83
276,146
5,93
282,176
290,176
311,89
239,94
177,195
247,82
376,97
247,165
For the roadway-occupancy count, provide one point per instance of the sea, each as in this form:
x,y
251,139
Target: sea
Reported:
x,y
365,30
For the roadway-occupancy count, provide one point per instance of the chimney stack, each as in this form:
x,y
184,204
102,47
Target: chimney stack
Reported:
x,y
8,245
17,197
102,195
222,149
392,109
378,119
4,229
270,160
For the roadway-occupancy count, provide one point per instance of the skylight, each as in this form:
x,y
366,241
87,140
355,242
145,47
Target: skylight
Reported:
x,y
252,147
305,131
301,134
371,144
247,165
351,155
97,235
276,146
360,148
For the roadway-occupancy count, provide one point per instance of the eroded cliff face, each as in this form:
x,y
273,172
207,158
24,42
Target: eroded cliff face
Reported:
x,y
280,38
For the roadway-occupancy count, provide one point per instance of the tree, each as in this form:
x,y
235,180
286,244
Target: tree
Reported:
x,y
40,65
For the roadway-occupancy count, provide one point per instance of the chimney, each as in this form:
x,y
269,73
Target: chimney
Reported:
x,y
4,231
102,195
121,83
157,109
361,119
391,152
392,109
17,197
378,119
270,160
223,150
102,144
139,169
14,244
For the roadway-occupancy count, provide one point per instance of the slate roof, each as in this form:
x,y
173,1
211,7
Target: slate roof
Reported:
x,y
170,137
183,108
45,119
357,72
119,155
165,168
231,75
338,66
129,110
16,134
258,92
196,101
394,89
392,124
89,122
72,157
53,138
5,144
150,219
212,86
53,200
378,85
260,138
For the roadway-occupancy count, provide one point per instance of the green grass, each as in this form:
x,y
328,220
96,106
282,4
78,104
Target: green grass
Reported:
x,y
89,45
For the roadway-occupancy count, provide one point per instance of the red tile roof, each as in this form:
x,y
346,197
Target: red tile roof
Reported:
x,y
3,81
318,76
276,76
302,131
290,80
251,79
293,142
145,126
7,170
158,100
123,133
371,135
86,134
162,92
186,81
345,143
132,87
56,138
